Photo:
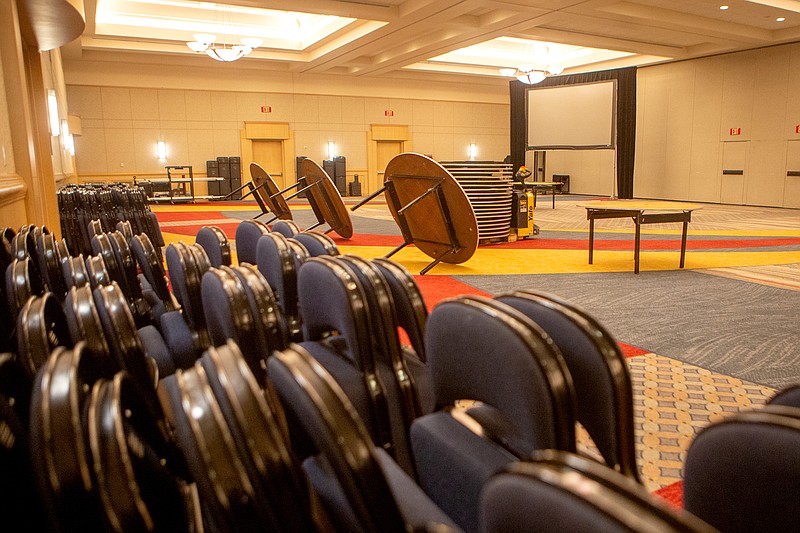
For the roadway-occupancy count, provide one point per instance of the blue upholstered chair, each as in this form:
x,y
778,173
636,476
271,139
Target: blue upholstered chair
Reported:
x,y
602,384
562,492
359,485
233,439
215,243
317,243
336,332
154,283
743,472
185,330
277,262
483,351
247,234
404,389
239,305
412,313
287,228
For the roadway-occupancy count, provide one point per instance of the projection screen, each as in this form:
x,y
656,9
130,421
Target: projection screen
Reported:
x,y
572,117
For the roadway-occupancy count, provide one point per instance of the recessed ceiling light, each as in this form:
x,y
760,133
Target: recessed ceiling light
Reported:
x,y
723,8
780,19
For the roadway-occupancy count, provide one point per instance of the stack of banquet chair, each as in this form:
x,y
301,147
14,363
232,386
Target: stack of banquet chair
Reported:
x,y
299,389
109,204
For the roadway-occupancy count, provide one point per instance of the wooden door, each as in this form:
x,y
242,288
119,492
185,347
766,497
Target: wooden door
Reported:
x,y
269,154
387,150
734,171
791,189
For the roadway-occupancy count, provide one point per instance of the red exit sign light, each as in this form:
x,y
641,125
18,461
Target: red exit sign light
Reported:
x,y
266,109
797,129
388,113
736,131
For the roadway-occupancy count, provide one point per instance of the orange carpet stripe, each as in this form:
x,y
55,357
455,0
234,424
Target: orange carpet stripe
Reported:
x,y
646,244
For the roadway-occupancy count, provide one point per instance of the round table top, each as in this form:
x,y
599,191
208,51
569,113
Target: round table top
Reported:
x,y
325,200
639,205
414,174
274,201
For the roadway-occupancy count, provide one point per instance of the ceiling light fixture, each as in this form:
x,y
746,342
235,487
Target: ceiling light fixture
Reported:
x,y
206,42
723,8
530,75
780,19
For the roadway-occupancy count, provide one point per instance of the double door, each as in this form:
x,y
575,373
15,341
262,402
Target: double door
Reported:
x,y
761,173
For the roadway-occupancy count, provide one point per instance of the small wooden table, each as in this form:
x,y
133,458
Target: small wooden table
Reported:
x,y
325,200
267,194
431,209
642,212
545,186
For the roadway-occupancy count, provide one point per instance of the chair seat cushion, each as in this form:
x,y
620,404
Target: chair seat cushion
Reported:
x,y
453,463
416,507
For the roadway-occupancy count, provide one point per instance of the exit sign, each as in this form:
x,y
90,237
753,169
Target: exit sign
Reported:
x,y
266,109
736,131
388,113
797,129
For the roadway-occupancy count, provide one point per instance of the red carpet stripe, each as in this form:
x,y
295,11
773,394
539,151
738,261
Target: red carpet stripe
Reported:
x,y
437,288
672,494
631,351
365,239
192,229
188,216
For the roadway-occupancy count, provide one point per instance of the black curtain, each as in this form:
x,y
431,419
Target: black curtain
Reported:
x,y
626,119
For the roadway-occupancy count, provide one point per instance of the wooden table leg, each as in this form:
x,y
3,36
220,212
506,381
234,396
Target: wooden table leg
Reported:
x,y
591,239
638,221
683,242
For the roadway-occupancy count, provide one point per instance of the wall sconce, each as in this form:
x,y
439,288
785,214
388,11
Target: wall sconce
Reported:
x,y
161,150
52,110
331,149
473,151
67,138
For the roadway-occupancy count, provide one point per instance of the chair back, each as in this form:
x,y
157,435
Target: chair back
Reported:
x,y
247,234
287,228
502,391
743,472
602,383
277,263
186,265
409,303
317,243
563,492
215,243
788,396
316,402
399,383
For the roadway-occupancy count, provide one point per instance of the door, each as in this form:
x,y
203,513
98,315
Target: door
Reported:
x,y
734,171
387,150
791,189
269,154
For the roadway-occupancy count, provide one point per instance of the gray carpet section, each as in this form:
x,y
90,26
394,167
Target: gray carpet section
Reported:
x,y
742,329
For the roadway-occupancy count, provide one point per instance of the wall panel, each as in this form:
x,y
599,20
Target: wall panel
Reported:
x,y
765,180
201,125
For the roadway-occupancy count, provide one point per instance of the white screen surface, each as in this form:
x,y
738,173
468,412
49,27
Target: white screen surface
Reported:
x,y
572,116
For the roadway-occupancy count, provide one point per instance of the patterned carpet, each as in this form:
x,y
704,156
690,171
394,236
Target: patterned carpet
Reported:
x,y
702,343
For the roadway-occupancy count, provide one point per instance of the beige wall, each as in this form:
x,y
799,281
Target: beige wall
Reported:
x,y
121,125
685,114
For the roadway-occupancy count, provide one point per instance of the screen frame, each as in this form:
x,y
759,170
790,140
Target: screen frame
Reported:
x,y
615,102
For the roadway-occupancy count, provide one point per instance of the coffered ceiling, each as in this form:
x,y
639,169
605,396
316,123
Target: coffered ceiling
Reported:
x,y
418,38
